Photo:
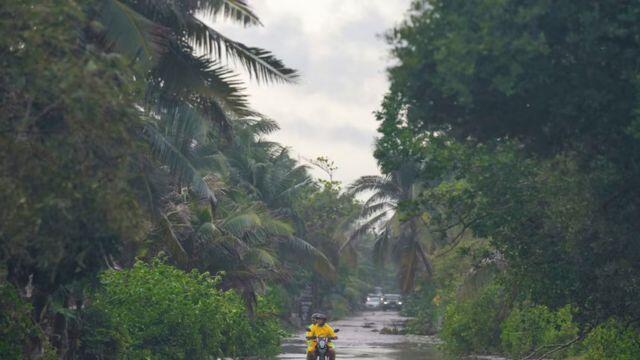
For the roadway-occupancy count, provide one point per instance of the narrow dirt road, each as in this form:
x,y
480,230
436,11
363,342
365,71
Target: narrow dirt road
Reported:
x,y
359,338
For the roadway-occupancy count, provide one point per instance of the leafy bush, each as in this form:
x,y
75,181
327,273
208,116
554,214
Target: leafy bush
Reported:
x,y
17,327
100,339
422,310
473,326
613,340
250,337
155,311
531,328
15,322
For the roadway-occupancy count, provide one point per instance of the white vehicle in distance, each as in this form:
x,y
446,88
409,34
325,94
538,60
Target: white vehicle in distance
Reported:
x,y
374,302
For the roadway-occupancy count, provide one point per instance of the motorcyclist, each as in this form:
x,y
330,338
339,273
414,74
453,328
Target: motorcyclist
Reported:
x,y
321,329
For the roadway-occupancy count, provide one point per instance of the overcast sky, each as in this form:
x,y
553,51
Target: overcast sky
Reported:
x,y
336,47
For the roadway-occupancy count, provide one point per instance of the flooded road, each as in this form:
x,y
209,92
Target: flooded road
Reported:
x,y
360,338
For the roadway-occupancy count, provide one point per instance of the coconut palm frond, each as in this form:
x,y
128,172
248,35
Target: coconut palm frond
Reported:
x,y
182,125
408,266
241,224
171,240
179,164
237,10
321,263
365,228
380,197
260,64
263,257
382,247
374,183
263,126
133,34
205,82
374,209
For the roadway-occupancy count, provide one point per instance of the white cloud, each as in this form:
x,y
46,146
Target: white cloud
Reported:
x,y
335,46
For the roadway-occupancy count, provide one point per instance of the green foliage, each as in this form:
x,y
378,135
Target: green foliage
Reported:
x,y
101,338
15,323
17,328
532,328
156,311
521,117
69,135
422,309
494,69
613,340
124,134
473,325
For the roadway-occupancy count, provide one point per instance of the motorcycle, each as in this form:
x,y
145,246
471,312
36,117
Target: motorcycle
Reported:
x,y
322,346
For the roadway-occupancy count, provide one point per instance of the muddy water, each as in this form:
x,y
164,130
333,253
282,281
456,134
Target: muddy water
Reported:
x,y
359,338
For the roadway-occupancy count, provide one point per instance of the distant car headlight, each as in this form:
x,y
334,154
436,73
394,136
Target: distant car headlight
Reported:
x,y
399,302
386,302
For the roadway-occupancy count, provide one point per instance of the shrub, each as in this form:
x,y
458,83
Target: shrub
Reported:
x,y
530,328
17,327
473,326
155,311
100,339
613,340
15,322
422,310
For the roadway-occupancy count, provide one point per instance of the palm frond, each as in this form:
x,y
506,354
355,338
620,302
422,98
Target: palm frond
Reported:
x,y
207,231
349,256
263,126
263,257
179,165
171,240
322,264
260,64
241,224
380,197
375,183
215,89
411,259
133,34
237,10
182,125
382,246
407,268
276,227
374,209
365,228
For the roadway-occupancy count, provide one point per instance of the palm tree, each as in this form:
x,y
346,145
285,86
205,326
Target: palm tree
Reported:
x,y
186,93
190,92
398,236
251,233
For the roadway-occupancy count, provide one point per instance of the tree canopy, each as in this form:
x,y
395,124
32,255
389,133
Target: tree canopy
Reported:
x,y
521,117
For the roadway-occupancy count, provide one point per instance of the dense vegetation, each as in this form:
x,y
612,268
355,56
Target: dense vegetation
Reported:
x,y
512,129
145,214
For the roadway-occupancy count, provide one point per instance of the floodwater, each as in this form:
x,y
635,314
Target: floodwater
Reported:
x,y
359,338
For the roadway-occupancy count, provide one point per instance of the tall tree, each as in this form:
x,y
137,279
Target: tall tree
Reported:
x,y
541,97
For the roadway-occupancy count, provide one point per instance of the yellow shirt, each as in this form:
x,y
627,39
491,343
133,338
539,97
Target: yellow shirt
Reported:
x,y
320,331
